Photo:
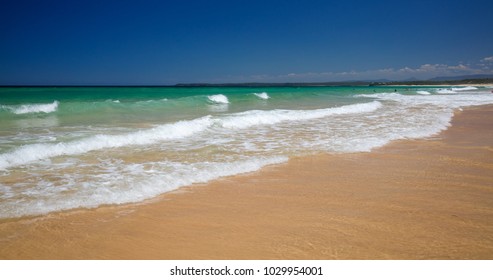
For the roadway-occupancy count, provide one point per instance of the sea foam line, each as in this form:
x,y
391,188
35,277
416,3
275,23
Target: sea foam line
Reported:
x,y
257,117
32,108
130,187
35,152
182,129
455,89
464,88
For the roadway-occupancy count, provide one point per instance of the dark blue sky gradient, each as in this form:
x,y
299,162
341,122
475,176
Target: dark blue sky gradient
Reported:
x,y
167,42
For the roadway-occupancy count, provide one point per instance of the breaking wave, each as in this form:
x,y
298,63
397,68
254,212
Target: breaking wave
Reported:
x,y
257,117
262,95
218,99
181,129
32,108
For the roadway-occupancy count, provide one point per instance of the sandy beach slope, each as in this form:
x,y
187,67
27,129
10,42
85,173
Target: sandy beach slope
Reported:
x,y
413,199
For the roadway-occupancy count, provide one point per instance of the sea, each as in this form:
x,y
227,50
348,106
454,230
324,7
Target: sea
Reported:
x,y
64,148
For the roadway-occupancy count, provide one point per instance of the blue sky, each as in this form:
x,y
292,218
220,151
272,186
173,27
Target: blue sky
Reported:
x,y
167,42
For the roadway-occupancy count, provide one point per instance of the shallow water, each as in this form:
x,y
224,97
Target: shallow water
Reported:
x,y
65,148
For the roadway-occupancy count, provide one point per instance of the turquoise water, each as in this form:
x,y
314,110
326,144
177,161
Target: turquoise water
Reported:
x,y
68,147
139,105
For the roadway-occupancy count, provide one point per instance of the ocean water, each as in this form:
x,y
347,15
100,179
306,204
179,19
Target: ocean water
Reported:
x,y
66,148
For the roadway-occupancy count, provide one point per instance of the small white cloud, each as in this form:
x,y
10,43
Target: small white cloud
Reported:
x,y
407,69
424,71
386,70
432,67
352,72
459,67
487,59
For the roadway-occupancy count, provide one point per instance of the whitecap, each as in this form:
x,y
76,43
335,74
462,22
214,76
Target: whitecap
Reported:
x,y
464,88
258,117
262,95
218,99
182,129
35,152
445,91
33,108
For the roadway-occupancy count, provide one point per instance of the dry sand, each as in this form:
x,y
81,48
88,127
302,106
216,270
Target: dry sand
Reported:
x,y
419,199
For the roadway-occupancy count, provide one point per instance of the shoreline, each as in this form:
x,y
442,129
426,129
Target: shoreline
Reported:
x,y
411,199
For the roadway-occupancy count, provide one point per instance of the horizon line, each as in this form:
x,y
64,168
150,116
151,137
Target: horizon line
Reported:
x,y
379,82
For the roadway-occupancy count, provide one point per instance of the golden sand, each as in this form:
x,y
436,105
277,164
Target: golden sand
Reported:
x,y
420,199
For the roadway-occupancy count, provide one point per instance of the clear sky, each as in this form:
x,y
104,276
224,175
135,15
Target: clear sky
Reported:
x,y
167,42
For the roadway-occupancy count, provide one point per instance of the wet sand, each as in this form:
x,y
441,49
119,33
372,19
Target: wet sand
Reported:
x,y
413,199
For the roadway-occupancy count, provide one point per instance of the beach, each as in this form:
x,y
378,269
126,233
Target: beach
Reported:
x,y
426,198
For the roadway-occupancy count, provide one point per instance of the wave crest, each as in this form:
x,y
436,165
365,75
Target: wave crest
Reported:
x,y
35,152
218,99
33,108
256,117
262,95
464,88
455,89
178,130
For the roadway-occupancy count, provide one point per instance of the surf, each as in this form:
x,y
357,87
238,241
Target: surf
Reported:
x,y
32,108
262,95
173,131
122,184
218,99
35,152
97,151
258,117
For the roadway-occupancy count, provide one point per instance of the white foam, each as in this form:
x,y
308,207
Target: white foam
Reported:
x,y
218,99
35,152
455,89
424,116
262,95
207,148
423,92
257,117
445,90
118,184
453,101
464,88
379,95
33,108
183,129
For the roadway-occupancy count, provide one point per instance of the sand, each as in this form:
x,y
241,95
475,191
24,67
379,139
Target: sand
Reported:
x,y
412,199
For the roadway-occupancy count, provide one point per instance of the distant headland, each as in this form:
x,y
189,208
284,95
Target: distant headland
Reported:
x,y
469,80
438,81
